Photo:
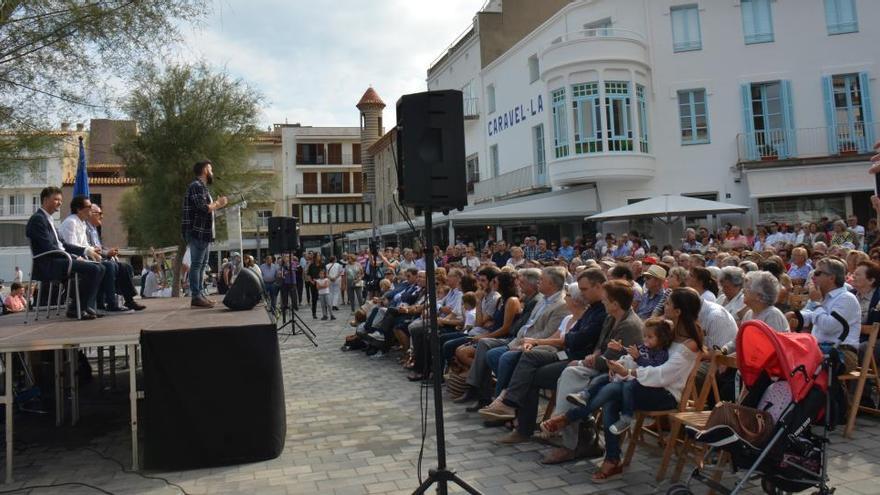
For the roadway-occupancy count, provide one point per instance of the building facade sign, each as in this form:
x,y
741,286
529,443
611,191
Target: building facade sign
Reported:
x,y
516,116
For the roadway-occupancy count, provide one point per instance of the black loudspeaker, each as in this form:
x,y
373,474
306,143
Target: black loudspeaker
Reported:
x,y
283,236
430,150
213,396
246,291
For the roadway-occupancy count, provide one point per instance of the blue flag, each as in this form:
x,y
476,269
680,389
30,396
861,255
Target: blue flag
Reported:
x,y
81,182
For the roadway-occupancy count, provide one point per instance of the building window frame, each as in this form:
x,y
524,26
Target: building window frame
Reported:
x,y
641,97
494,161
490,99
540,156
693,104
560,123
687,33
586,101
841,17
618,111
534,69
757,19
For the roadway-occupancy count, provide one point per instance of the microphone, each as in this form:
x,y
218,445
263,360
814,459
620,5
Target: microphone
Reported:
x,y
234,191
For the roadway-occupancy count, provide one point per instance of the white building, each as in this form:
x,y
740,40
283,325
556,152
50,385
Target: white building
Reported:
x,y
758,102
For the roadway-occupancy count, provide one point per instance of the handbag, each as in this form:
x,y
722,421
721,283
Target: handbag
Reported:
x,y
752,425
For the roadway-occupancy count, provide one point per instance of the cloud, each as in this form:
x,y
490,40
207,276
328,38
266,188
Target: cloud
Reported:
x,y
313,60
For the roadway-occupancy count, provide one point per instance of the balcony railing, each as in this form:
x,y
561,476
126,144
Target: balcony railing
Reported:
x,y
509,184
471,107
606,32
315,189
345,159
781,144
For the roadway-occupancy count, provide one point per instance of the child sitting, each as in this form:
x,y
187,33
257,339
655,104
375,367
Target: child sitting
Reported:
x,y
469,306
654,351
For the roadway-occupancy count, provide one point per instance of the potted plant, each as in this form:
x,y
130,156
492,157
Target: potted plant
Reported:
x,y
847,147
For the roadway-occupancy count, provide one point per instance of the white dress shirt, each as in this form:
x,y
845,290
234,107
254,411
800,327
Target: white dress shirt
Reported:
x,y
734,305
73,231
826,328
718,325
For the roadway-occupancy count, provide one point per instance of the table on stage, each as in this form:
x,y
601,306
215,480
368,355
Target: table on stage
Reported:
x,y
60,334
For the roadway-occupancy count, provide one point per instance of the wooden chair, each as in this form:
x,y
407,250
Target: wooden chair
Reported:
x,y
697,419
689,402
866,370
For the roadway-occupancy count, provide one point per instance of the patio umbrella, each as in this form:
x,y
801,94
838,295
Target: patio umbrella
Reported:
x,y
668,208
81,181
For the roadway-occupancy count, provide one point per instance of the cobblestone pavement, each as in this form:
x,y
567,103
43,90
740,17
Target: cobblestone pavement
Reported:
x,y
353,428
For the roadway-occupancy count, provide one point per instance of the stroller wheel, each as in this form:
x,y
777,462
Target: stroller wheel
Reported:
x,y
679,489
771,489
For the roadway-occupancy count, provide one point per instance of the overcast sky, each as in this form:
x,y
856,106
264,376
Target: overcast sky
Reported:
x,y
313,59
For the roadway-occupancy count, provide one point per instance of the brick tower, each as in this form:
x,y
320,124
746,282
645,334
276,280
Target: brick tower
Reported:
x,y
371,107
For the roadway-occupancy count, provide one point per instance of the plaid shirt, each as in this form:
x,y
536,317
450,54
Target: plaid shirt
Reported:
x,y
530,252
198,220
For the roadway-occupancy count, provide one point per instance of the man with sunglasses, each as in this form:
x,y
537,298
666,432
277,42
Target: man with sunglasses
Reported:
x,y
123,273
837,320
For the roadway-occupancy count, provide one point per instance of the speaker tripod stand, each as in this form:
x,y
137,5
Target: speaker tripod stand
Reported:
x,y
442,475
297,325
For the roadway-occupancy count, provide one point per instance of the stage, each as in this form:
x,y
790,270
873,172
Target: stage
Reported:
x,y
62,335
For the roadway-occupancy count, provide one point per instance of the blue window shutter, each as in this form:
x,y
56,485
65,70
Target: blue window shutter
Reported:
x,y
751,148
830,115
788,120
831,20
867,110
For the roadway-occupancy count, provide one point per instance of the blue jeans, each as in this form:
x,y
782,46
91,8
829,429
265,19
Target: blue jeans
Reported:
x,y
503,363
451,345
198,254
610,397
272,293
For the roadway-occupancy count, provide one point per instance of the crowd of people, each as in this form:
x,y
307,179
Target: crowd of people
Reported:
x,y
614,325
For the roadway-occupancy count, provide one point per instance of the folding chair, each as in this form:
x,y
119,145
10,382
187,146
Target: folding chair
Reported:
x,y
36,275
689,402
866,370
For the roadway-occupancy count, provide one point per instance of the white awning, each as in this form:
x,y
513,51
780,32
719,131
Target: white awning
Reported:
x,y
667,206
808,180
555,205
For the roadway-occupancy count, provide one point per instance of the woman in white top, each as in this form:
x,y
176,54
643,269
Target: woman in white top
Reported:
x,y
659,387
516,257
701,280
760,291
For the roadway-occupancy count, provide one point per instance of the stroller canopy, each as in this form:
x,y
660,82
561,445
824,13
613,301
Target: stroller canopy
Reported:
x,y
793,357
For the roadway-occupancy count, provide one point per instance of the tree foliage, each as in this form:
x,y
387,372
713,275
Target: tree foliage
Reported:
x,y
185,113
59,58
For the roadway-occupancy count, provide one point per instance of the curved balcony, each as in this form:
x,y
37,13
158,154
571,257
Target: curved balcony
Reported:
x,y
595,167
592,46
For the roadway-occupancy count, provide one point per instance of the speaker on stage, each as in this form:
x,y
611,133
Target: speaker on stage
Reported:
x,y
246,291
283,236
430,150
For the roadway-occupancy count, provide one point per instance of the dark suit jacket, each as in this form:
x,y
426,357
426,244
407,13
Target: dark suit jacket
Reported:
x,y
42,240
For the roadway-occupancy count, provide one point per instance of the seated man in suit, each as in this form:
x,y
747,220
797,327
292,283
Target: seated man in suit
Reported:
x,y
43,237
123,272
74,231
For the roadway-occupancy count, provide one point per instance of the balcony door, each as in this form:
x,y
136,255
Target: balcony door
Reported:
x,y
848,110
769,120
334,153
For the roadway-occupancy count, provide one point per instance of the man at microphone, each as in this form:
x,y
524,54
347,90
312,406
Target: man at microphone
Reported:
x,y
198,228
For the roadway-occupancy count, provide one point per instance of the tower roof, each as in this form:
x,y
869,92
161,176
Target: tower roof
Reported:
x,y
371,98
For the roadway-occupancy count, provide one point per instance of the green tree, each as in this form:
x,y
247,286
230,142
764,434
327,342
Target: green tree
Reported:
x,y
185,113
60,57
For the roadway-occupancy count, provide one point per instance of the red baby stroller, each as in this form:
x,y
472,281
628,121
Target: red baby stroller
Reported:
x,y
794,458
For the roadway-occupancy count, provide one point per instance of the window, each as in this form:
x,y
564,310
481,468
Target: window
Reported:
x,y
332,183
804,208
849,113
534,69
16,204
472,166
599,28
2,206
490,98
686,34
310,183
769,119
35,204
841,16
693,116
493,161
263,218
587,118
560,124
618,116
757,21
305,215
538,139
643,118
